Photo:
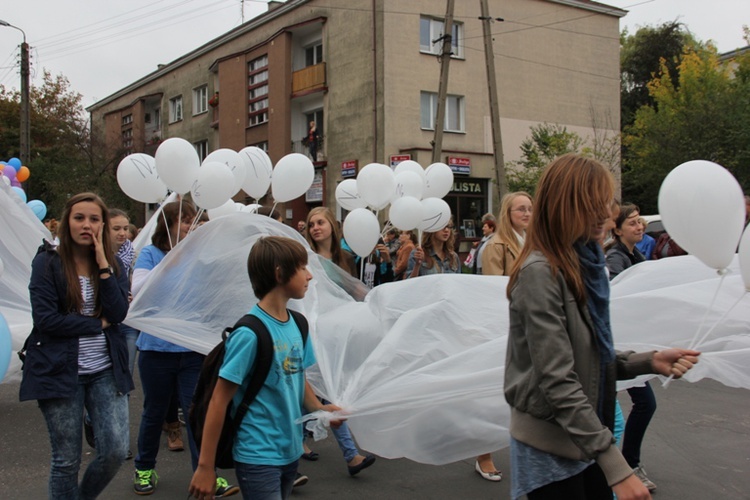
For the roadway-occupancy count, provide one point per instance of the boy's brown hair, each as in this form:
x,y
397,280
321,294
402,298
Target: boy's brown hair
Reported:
x,y
273,260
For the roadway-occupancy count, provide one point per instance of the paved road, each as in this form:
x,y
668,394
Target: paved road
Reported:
x,y
697,447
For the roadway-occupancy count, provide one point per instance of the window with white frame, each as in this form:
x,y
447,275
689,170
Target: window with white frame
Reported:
x,y
314,54
430,33
454,112
175,109
200,100
201,147
257,84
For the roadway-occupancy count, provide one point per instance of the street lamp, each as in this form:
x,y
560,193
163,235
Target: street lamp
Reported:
x,y
25,135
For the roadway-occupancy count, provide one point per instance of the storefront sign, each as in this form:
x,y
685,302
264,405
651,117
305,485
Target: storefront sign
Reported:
x,y
396,159
467,187
315,193
459,165
349,168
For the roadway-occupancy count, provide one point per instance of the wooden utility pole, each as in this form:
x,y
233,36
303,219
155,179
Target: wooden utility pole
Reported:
x,y
25,118
445,55
497,142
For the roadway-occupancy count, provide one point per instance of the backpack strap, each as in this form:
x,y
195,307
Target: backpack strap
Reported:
x,y
263,357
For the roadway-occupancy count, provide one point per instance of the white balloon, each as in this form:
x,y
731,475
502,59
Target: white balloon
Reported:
x,y
347,195
234,161
239,206
702,207
5,179
213,185
438,180
292,176
251,209
228,208
361,231
406,213
436,215
409,184
410,166
376,185
743,255
258,169
137,177
177,163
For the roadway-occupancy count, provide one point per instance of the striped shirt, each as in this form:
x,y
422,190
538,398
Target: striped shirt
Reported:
x,y
93,353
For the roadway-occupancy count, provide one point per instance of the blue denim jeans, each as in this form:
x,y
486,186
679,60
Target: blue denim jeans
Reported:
x,y
266,482
108,410
131,335
344,438
644,407
161,374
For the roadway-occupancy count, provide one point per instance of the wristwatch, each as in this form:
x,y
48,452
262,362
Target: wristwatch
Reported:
x,y
106,270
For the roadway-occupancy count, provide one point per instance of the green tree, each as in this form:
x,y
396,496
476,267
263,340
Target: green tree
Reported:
x,y
641,58
64,161
547,142
705,115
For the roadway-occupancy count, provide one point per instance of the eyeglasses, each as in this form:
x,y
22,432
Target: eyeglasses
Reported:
x,y
522,210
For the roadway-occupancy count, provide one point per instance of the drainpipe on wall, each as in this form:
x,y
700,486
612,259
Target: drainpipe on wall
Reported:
x,y
374,83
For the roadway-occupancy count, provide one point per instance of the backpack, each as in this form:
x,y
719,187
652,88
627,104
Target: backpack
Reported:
x,y
209,375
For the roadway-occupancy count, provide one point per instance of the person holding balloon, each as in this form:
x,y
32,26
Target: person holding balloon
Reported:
x,y
436,255
76,355
561,366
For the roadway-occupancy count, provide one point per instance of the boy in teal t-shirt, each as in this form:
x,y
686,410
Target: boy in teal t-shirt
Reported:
x,y
268,443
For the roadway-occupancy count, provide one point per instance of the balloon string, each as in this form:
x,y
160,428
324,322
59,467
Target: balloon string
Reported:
x,y
196,220
705,336
166,224
388,226
272,208
693,343
179,220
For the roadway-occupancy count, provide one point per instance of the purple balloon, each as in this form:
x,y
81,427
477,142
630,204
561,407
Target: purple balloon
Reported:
x,y
15,163
9,172
16,183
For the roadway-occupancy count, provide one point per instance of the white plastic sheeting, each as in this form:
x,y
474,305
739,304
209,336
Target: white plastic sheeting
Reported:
x,y
418,364
21,234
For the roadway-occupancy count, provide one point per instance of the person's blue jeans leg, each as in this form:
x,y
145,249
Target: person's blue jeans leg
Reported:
x,y
344,438
64,424
346,442
158,372
64,418
644,406
131,336
109,415
266,482
187,378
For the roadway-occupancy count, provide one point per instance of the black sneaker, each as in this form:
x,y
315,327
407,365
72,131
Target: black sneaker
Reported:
x,y
224,489
300,480
145,481
88,432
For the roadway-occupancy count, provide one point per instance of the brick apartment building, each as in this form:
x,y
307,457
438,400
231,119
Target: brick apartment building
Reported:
x,y
367,72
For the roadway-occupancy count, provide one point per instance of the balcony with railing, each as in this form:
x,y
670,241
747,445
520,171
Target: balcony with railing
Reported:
x,y
309,79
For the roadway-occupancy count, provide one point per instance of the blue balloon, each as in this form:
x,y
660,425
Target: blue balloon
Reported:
x,y
15,163
20,192
38,207
5,347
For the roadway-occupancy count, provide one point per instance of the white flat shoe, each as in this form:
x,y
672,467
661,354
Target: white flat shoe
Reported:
x,y
489,476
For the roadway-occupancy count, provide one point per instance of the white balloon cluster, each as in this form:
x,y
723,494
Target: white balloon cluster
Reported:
x,y
414,194
212,184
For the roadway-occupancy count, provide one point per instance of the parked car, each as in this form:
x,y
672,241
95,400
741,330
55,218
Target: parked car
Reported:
x,y
654,226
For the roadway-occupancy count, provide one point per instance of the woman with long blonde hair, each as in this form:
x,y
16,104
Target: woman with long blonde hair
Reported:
x,y
502,251
436,254
561,366
323,235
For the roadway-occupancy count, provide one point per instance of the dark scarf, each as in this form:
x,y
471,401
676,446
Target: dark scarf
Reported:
x,y
596,281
